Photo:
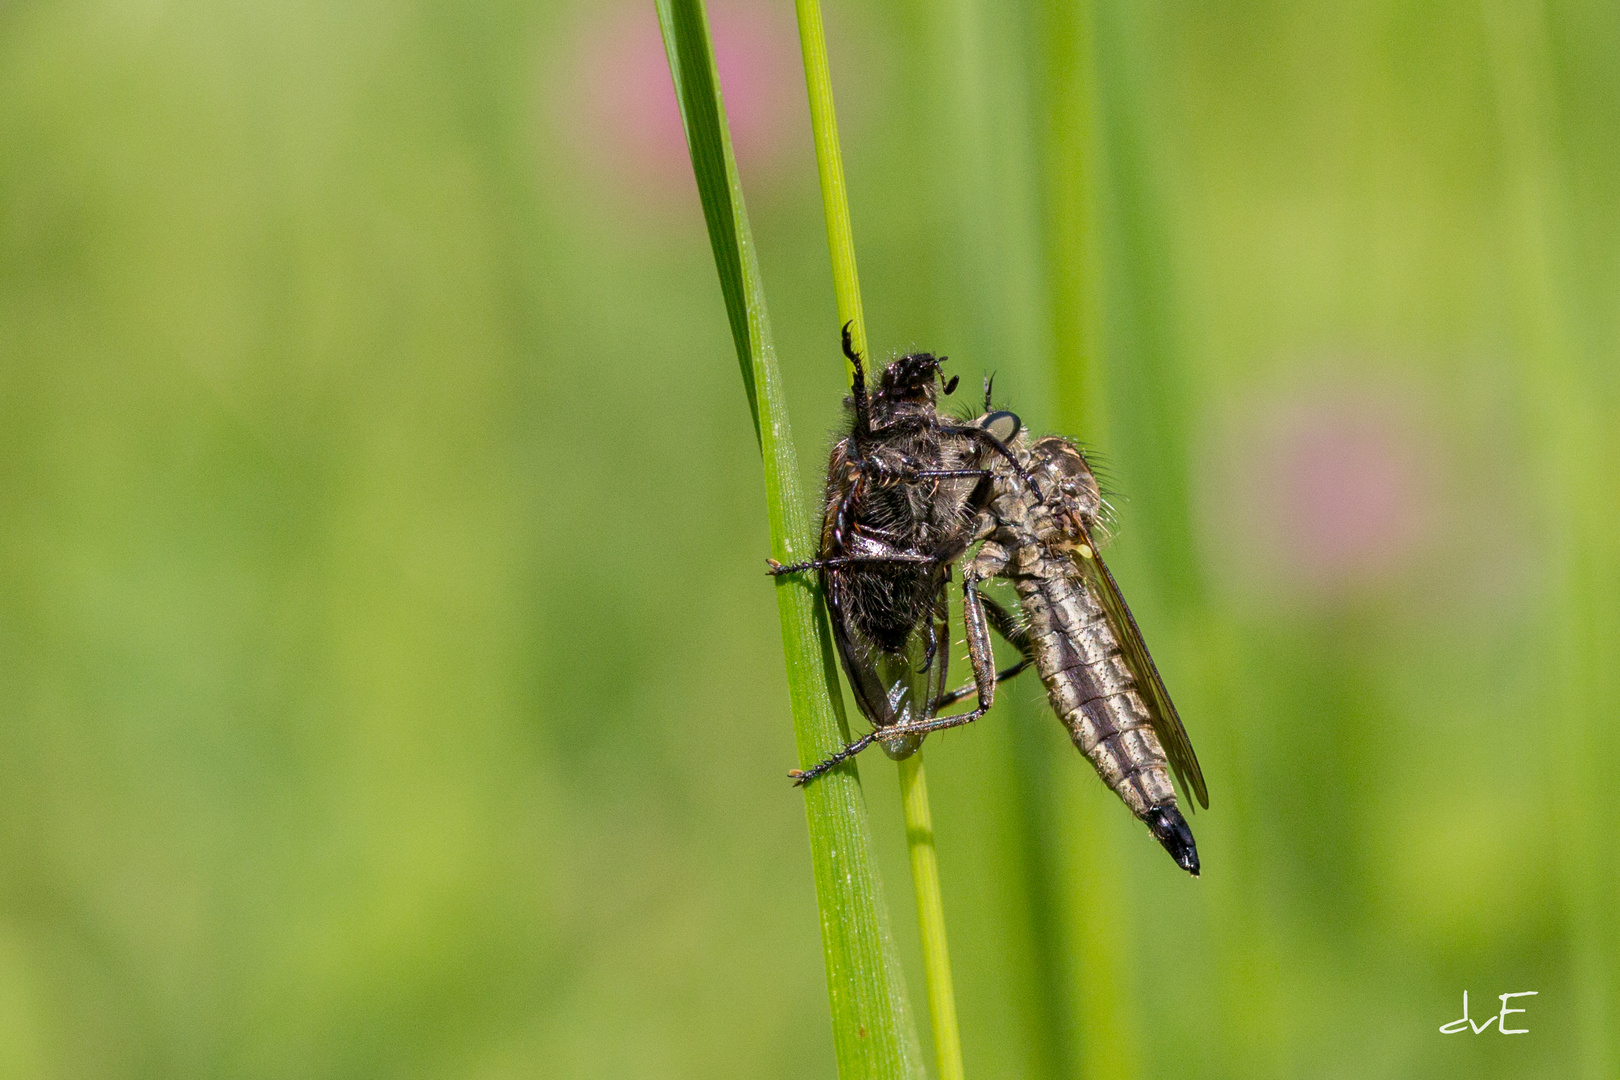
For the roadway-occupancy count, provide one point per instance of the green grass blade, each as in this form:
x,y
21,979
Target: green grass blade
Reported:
x,y
1562,405
914,789
1065,103
1146,372
931,917
873,1033
1067,114
830,165
977,60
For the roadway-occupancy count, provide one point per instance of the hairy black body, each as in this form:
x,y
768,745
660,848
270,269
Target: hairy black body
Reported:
x,y
904,490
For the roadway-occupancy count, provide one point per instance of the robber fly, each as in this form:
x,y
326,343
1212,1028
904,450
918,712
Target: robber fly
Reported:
x,y
904,490
908,493
1078,633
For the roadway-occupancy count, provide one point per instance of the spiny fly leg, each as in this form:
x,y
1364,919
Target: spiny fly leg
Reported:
x,y
911,470
935,723
905,727
948,474
981,656
999,618
777,569
999,447
802,777
1008,627
961,693
1016,635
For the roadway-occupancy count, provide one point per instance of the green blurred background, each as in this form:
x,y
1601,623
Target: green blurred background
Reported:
x,y
391,684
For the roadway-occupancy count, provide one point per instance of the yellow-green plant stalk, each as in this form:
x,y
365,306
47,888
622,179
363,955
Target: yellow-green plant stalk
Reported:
x,y
1580,628
873,1034
913,786
930,917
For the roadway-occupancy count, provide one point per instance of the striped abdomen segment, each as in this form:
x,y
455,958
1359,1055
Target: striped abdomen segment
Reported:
x,y
1091,689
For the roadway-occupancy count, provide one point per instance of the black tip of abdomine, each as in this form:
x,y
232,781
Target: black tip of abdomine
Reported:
x,y
1170,829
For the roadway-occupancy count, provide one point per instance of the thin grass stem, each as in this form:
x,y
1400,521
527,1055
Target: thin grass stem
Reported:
x,y
914,789
930,918
874,1037
830,165
1583,557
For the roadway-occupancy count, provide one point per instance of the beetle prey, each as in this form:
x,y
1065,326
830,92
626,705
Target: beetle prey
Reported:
x,y
904,490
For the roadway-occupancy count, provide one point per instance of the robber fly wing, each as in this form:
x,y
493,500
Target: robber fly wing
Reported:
x,y
1161,710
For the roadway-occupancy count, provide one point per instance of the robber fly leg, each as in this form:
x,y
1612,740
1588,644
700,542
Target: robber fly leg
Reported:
x,y
1018,636
802,777
984,678
913,558
908,472
980,656
984,670
999,447
961,693
943,474
906,727
979,610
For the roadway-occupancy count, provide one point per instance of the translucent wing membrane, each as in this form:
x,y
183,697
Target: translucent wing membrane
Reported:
x,y
1161,710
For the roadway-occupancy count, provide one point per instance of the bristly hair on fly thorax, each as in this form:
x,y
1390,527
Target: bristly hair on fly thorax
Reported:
x,y
1107,523
1105,528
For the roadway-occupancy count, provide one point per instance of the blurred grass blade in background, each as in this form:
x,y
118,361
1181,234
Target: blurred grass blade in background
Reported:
x,y
1063,60
913,782
873,1033
1579,632
1083,906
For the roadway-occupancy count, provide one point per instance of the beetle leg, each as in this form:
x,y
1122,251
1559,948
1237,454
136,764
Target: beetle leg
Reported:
x,y
857,387
777,569
984,680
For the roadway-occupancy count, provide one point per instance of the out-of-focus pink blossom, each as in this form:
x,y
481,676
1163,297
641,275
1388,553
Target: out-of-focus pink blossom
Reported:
x,y
617,103
1329,489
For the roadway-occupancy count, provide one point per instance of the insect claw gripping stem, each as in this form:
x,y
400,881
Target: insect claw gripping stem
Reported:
x,y
849,344
857,388
802,777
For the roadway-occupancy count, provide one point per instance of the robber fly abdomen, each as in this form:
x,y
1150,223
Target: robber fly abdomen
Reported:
x,y
1092,691
1083,639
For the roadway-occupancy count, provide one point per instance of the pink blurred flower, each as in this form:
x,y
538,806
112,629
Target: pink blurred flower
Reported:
x,y
618,107
1332,488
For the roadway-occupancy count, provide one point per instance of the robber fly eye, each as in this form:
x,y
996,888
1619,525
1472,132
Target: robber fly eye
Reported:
x,y
950,385
1003,425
